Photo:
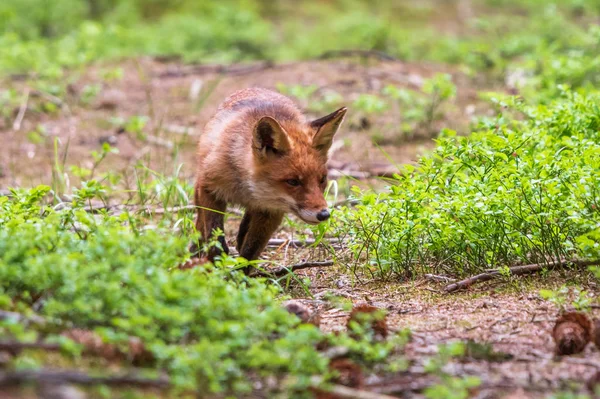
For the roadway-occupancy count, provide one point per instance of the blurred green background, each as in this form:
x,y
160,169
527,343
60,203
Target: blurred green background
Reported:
x,y
45,35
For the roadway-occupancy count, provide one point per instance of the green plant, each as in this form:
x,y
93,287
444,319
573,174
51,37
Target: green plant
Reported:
x,y
135,125
580,300
209,328
439,89
89,93
74,33
419,110
453,388
369,104
450,387
516,190
38,135
301,92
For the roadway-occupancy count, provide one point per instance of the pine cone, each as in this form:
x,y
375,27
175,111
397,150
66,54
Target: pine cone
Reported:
x,y
572,332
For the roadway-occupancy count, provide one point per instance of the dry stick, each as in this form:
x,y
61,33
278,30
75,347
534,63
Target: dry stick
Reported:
x,y
118,209
218,69
346,202
342,391
518,270
282,271
405,382
442,279
42,321
277,242
173,209
16,346
363,53
22,109
16,378
159,141
18,317
363,174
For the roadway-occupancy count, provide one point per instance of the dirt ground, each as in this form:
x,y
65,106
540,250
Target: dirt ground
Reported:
x,y
510,318
178,100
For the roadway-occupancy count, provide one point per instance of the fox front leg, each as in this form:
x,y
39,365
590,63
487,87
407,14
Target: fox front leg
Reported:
x,y
256,229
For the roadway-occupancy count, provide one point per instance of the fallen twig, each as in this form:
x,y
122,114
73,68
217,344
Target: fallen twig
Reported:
x,y
18,317
346,202
183,130
357,52
22,109
92,343
404,382
362,175
536,355
16,378
159,141
283,270
277,242
16,347
518,270
120,208
173,209
341,391
217,69
441,279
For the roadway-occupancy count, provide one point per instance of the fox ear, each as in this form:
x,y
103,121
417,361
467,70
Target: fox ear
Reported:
x,y
326,128
269,138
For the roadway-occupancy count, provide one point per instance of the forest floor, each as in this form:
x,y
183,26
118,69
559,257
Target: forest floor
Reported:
x,y
176,100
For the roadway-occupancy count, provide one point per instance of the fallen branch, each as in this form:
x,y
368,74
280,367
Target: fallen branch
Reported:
x,y
283,270
159,141
518,270
277,242
217,69
92,343
22,109
173,209
16,378
439,279
183,130
346,202
19,318
16,347
120,208
17,77
357,52
404,382
341,391
362,175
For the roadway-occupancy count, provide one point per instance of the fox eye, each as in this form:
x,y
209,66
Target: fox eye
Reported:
x,y
323,179
293,182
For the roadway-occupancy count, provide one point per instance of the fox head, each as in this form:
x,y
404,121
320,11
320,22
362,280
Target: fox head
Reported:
x,y
291,164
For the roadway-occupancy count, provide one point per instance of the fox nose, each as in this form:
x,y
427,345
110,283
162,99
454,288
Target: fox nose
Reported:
x,y
323,215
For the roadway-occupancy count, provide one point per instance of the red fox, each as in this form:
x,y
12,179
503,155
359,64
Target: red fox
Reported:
x,y
260,152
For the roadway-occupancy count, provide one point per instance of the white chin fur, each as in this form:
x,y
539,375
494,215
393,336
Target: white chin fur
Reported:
x,y
309,216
